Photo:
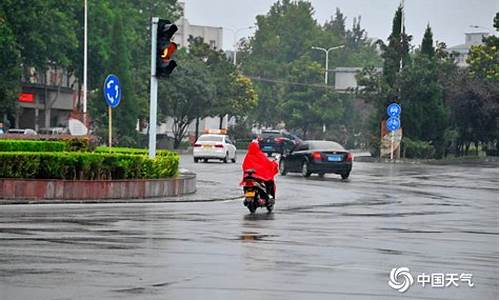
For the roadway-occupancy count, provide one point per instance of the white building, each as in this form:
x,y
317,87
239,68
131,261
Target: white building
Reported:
x,y
462,50
210,34
345,78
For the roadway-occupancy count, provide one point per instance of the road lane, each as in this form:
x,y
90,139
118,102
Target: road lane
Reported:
x,y
327,239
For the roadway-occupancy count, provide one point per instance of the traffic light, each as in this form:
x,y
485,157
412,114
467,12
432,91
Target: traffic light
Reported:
x,y
165,48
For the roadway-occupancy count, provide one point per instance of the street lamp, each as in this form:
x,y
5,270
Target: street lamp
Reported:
x,y
327,51
235,35
482,27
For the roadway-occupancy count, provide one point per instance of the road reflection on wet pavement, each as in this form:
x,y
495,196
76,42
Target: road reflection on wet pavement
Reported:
x,y
327,239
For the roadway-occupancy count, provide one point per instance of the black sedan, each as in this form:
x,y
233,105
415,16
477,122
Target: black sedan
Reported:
x,y
319,157
277,141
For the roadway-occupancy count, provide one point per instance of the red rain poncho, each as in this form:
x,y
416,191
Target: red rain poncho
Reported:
x,y
265,169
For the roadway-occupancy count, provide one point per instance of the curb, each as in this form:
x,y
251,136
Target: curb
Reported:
x,y
29,191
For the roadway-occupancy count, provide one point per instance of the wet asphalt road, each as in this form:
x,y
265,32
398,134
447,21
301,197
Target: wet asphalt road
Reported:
x,y
327,239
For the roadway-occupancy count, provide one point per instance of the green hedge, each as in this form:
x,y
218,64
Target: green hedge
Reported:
x,y
31,146
133,151
85,166
62,144
417,149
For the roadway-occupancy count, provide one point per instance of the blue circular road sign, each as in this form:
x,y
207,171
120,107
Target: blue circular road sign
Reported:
x,y
393,110
393,124
112,91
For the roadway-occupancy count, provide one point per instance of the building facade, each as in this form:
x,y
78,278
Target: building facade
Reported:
x,y
47,99
462,50
210,34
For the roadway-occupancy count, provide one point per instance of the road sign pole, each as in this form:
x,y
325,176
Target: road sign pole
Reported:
x,y
154,91
110,127
392,145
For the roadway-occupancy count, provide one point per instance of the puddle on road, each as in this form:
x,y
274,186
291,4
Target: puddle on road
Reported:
x,y
405,230
364,202
392,215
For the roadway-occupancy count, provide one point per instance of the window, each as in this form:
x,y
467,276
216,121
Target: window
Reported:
x,y
323,145
210,138
212,44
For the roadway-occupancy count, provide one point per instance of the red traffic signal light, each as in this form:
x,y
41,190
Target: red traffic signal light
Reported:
x,y
165,48
167,52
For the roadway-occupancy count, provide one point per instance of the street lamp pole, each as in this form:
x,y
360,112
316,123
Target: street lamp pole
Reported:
x,y
235,35
85,65
327,51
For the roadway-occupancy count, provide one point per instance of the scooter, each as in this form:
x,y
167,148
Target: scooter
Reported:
x,y
255,192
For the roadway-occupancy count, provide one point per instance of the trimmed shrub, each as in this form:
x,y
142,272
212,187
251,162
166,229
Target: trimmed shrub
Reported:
x,y
80,143
64,144
86,166
31,146
417,149
72,143
133,151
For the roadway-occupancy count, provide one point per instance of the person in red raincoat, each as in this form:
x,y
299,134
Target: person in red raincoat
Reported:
x,y
265,169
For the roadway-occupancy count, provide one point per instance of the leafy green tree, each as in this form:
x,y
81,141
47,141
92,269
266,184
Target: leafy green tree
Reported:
x,y
186,95
337,24
127,112
38,44
10,72
234,93
473,104
243,95
424,116
483,59
427,47
288,74
395,54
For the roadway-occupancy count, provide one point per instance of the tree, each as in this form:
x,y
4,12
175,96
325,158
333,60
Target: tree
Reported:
x,y
186,95
395,54
483,59
288,74
473,104
337,24
427,47
10,72
29,44
243,95
127,112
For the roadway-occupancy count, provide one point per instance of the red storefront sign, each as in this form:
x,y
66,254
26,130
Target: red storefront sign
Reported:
x,y
26,97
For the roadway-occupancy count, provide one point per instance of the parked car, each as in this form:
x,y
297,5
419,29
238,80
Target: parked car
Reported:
x,y
53,130
27,131
214,146
319,157
277,141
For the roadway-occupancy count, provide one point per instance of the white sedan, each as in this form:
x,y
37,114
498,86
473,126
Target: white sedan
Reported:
x,y
214,146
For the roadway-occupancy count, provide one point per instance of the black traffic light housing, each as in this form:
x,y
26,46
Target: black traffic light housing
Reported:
x,y
165,48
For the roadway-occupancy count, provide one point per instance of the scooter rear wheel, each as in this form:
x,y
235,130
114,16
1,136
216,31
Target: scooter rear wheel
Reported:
x,y
252,206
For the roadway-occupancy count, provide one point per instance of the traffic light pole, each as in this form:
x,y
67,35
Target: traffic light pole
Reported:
x,y
153,91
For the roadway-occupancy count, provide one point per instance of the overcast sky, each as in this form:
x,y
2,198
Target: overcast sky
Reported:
x,y
449,19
